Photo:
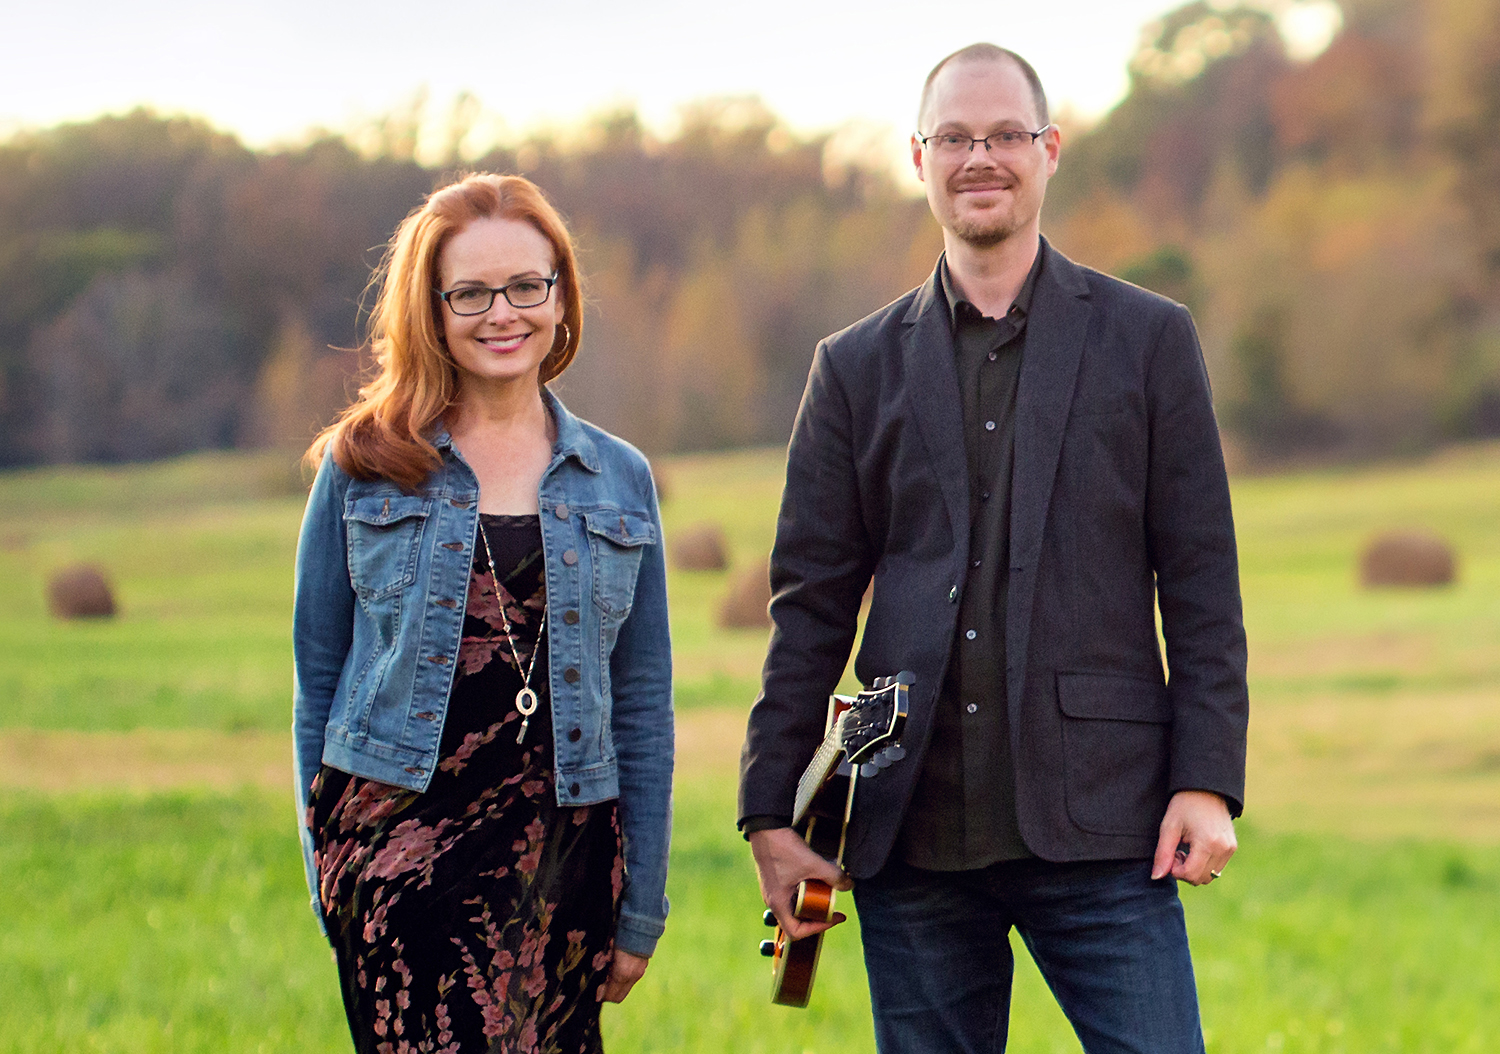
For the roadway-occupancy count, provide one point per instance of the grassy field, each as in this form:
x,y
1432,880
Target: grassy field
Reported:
x,y
155,899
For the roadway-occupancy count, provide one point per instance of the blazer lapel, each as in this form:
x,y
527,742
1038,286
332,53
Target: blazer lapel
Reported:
x,y
1055,335
932,388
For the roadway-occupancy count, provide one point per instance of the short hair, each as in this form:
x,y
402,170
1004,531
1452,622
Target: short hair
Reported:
x,y
384,434
988,53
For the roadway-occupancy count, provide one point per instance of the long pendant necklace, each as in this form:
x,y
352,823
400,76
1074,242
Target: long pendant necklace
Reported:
x,y
526,698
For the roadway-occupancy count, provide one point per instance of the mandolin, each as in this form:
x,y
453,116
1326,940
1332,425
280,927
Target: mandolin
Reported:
x,y
863,736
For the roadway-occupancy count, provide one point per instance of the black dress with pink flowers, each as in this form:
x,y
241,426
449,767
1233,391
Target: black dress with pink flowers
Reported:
x,y
478,915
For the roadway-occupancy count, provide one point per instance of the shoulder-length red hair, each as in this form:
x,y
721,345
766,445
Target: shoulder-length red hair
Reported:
x,y
385,433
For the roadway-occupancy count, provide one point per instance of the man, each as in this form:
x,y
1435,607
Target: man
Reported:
x,y
1023,456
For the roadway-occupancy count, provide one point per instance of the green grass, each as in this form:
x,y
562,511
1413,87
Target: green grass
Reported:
x,y
179,923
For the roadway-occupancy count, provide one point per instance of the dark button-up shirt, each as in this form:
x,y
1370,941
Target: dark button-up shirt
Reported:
x,y
963,811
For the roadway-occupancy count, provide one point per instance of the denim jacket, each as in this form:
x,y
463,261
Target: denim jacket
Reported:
x,y
382,583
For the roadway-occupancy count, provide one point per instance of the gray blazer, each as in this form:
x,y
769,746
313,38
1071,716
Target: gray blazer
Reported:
x,y
1119,498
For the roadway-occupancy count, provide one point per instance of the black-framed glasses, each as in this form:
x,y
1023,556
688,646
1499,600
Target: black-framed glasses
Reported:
x,y
477,299
951,144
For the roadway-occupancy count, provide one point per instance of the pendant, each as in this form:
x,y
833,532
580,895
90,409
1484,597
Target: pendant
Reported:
x,y
525,706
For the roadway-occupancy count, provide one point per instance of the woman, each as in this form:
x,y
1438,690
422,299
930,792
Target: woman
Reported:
x,y
483,674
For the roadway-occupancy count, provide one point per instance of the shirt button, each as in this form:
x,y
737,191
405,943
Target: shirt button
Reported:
x,y
989,426
973,709
575,735
571,675
970,634
952,594
974,564
993,356
570,617
560,510
984,496
570,557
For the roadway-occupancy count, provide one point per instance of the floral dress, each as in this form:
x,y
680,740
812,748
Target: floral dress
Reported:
x,y
478,915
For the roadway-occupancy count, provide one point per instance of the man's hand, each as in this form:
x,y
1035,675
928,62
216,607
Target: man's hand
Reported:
x,y
625,970
1197,838
783,859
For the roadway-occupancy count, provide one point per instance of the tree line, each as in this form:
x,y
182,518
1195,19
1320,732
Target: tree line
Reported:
x,y
1333,224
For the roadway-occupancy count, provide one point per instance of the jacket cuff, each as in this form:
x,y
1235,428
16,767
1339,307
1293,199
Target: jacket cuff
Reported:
x,y
637,935
750,824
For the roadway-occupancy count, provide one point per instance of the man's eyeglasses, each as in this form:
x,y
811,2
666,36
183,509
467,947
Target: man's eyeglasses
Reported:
x,y
477,299
953,145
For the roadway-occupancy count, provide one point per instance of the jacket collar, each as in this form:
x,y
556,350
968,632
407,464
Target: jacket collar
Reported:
x,y
573,440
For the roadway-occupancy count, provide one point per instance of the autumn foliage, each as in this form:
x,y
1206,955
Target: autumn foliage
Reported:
x,y
1334,224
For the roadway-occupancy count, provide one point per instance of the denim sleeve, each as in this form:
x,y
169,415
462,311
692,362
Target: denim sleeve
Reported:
x,y
322,630
641,676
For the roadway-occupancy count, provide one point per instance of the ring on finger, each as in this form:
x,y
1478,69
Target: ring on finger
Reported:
x,y
1215,874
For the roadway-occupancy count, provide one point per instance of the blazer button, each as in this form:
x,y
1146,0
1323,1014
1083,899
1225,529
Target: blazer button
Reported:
x,y
560,510
571,675
570,617
575,735
570,557
574,789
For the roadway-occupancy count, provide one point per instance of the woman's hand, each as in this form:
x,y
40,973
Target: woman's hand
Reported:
x,y
624,971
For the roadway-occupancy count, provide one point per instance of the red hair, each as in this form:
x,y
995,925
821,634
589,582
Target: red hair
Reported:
x,y
384,434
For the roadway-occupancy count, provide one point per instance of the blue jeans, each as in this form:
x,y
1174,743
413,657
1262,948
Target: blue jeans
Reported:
x,y
1109,941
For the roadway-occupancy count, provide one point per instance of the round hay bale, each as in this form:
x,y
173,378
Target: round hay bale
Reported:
x,y
1407,558
80,591
745,605
699,548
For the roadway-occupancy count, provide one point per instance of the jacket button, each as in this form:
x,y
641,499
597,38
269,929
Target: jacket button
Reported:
x,y
441,660
446,602
570,617
560,510
575,735
457,547
570,557
425,715
414,770
571,675
574,789
458,503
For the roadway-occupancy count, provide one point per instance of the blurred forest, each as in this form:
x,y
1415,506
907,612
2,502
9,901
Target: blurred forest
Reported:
x,y
1334,225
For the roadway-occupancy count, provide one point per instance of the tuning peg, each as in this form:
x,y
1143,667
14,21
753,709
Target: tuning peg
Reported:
x,y
768,948
879,683
769,918
905,677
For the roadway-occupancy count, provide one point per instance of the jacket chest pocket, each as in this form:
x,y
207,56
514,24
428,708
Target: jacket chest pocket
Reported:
x,y
383,534
616,541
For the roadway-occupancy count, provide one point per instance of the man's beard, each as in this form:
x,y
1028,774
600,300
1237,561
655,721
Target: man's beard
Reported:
x,y
984,231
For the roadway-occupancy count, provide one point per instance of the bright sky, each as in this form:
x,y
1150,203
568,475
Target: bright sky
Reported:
x,y
272,69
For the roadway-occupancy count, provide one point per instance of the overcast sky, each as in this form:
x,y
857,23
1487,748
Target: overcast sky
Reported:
x,y
271,69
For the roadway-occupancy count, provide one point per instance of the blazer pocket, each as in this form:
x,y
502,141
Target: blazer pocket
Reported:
x,y
1116,747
